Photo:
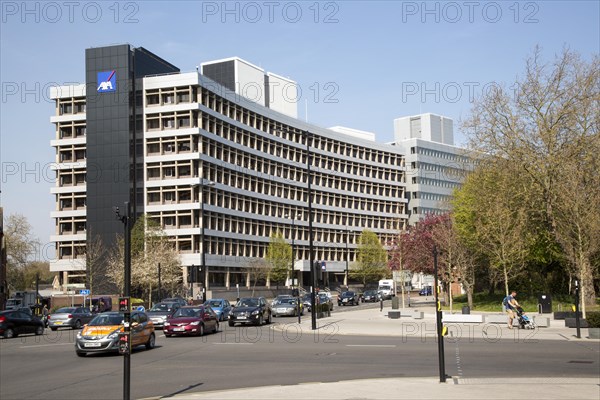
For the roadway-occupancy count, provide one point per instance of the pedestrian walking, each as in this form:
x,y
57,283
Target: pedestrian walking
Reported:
x,y
510,304
45,315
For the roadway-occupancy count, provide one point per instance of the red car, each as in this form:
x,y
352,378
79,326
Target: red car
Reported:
x,y
191,320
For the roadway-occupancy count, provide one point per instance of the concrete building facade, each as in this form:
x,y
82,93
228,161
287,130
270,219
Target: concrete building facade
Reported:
x,y
220,173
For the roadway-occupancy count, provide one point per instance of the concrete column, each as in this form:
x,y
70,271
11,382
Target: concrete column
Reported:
x,y
227,278
247,280
206,280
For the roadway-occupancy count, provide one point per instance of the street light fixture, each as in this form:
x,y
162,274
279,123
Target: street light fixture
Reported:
x,y
202,257
307,137
126,220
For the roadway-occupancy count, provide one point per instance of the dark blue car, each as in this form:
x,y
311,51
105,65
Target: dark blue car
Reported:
x,y
426,291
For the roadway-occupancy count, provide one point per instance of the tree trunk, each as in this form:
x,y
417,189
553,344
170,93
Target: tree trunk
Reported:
x,y
470,296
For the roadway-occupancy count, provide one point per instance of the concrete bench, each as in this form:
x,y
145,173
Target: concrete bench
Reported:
x,y
463,318
496,319
395,314
541,322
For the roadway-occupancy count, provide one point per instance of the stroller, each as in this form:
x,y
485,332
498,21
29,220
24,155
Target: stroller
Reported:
x,y
524,321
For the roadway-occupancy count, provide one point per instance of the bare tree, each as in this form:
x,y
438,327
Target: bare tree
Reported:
x,y
257,269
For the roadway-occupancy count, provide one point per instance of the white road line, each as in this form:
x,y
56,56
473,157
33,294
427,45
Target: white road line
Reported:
x,y
232,343
370,345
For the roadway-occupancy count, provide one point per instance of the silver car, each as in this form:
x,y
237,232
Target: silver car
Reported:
x,y
70,317
287,307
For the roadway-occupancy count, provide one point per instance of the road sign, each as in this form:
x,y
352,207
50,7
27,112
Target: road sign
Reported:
x,y
85,292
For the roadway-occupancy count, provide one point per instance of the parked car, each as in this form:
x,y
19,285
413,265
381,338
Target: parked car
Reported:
x,y
250,310
191,320
70,317
347,298
179,300
221,307
16,322
287,306
101,335
426,291
160,311
371,296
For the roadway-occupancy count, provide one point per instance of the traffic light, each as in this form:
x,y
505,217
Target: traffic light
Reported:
x,y
123,342
194,274
124,304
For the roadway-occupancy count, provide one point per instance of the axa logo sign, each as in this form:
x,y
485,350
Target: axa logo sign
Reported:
x,y
107,81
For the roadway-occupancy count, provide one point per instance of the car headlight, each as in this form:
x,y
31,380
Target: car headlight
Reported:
x,y
255,312
114,334
79,336
195,323
167,324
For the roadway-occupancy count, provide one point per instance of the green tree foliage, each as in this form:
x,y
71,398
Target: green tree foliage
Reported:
x,y
547,128
371,262
279,256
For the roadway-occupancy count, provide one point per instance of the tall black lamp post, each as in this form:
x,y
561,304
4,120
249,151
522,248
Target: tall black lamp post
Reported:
x,y
126,220
202,256
438,315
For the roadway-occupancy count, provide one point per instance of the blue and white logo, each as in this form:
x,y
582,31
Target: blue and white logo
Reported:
x,y
107,81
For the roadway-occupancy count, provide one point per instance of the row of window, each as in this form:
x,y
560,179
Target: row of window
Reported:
x,y
72,105
70,130
272,127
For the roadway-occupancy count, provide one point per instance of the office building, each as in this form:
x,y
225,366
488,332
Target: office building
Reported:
x,y
218,171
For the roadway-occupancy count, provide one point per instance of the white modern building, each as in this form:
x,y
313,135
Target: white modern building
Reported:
x,y
220,168
435,166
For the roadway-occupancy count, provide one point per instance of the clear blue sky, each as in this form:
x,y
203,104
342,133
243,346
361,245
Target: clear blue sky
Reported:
x,y
359,64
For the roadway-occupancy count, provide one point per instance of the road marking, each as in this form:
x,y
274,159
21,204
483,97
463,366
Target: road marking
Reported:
x,y
370,345
46,345
232,343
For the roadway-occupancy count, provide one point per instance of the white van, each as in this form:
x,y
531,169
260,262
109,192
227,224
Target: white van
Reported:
x,y
387,288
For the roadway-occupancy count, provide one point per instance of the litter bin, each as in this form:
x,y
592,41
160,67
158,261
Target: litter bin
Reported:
x,y
466,310
545,302
395,303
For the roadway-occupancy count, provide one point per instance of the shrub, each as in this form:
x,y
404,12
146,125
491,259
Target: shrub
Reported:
x,y
593,319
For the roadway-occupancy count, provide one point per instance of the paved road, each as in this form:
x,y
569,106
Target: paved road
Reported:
x,y
47,367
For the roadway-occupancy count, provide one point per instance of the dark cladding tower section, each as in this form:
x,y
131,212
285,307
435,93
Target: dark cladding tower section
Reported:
x,y
114,111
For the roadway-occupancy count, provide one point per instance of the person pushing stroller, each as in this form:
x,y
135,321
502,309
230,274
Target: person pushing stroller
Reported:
x,y
510,305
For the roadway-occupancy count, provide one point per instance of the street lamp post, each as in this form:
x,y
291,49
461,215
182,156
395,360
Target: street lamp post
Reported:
x,y
126,220
438,315
313,274
347,257
202,256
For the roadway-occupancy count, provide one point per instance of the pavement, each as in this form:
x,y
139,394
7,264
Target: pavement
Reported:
x,y
379,324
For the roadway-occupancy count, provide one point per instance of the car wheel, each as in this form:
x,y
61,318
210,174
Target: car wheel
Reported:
x,y
9,333
151,341
231,323
77,324
201,331
80,354
260,321
53,328
39,330
216,327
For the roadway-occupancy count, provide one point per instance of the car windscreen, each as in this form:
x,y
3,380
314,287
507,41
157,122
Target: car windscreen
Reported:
x,y
214,303
162,307
187,312
65,310
248,303
106,319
